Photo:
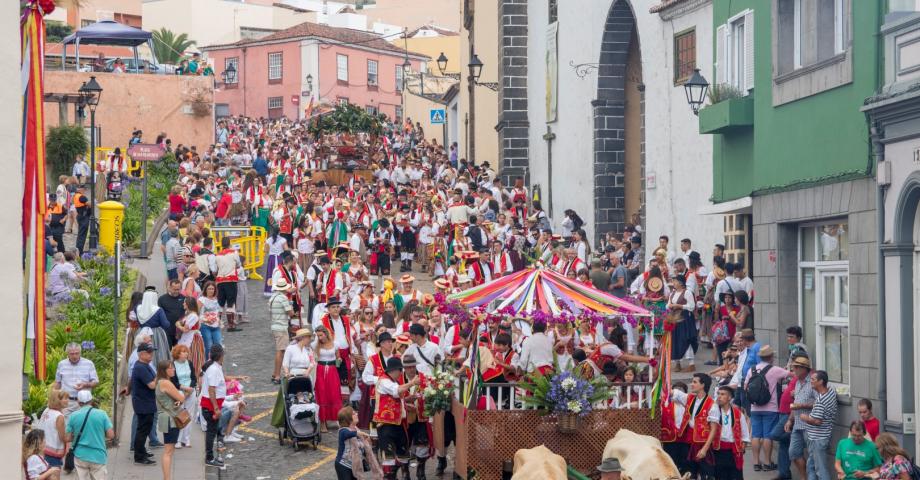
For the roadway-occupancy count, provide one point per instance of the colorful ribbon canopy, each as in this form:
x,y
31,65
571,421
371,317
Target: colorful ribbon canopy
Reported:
x,y
534,289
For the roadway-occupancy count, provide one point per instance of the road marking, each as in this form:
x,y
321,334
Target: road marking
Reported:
x,y
260,416
261,433
320,463
260,394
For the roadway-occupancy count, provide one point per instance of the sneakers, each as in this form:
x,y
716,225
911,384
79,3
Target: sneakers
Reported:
x,y
145,462
214,463
156,445
233,438
245,418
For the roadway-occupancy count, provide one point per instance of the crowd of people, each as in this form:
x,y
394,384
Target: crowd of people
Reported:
x,y
369,340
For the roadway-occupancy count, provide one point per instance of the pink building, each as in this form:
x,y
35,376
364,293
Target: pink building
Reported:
x,y
278,75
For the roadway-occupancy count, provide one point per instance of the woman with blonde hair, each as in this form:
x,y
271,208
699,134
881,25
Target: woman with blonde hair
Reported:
x,y
897,461
327,389
186,378
169,404
32,462
53,423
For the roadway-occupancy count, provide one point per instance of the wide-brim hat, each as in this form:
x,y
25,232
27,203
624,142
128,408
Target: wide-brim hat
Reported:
x,y
280,285
718,273
406,278
384,337
654,284
408,360
403,339
801,361
610,464
333,302
442,283
303,332
766,351
394,363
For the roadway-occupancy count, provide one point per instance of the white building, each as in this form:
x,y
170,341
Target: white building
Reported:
x,y
624,141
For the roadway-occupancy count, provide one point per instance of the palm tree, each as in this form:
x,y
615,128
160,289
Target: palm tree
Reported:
x,y
169,47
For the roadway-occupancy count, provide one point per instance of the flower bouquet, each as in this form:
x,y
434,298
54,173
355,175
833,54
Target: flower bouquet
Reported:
x,y
567,396
439,392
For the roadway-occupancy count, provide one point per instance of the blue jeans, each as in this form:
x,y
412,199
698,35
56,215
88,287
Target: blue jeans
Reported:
x,y
210,336
153,432
781,437
817,465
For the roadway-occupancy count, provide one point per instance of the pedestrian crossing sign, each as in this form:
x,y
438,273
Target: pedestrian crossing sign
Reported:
x,y
437,116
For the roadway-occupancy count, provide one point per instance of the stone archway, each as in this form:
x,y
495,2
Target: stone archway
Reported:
x,y
618,124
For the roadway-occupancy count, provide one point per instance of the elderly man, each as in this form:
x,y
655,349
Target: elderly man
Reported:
x,y
74,374
571,263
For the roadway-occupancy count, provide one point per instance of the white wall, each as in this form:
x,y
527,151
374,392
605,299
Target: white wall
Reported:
x,y
676,153
208,22
11,342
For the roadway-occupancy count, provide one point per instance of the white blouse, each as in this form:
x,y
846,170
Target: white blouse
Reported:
x,y
298,360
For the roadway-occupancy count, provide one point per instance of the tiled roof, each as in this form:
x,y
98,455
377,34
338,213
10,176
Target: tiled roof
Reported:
x,y
440,31
336,34
665,4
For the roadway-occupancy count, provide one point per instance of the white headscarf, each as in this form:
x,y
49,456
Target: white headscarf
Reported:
x,y
148,306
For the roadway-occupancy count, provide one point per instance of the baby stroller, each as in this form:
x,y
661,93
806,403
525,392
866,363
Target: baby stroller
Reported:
x,y
300,413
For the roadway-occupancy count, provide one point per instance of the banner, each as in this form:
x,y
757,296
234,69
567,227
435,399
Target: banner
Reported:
x,y
552,71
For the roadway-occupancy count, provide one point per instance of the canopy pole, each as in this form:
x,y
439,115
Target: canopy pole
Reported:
x,y
77,66
64,57
137,65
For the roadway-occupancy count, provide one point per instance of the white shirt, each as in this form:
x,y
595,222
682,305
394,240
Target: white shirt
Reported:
x,y
297,359
277,246
537,351
340,339
684,399
367,375
748,285
386,386
736,378
214,377
424,235
355,243
725,418
429,350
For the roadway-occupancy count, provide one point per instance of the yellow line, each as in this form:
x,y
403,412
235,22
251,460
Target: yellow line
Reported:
x,y
260,416
320,463
260,395
258,432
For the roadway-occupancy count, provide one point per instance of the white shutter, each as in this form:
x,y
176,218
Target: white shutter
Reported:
x,y
749,50
721,38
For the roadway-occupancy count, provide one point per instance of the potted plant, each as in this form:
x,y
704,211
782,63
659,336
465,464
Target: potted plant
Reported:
x,y
728,109
567,396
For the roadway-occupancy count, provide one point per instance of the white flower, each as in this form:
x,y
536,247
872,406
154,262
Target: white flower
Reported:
x,y
429,391
568,384
574,406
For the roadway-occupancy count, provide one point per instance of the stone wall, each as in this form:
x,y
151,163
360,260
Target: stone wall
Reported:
x,y
513,127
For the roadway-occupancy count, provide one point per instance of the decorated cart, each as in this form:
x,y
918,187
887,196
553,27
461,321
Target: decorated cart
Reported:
x,y
489,433
348,137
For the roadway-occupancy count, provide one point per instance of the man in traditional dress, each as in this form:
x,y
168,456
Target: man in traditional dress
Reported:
x,y
407,291
727,437
419,429
374,369
691,432
389,415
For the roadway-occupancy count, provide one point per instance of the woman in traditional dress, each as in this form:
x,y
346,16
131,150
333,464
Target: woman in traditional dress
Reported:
x,y
149,314
564,345
275,244
327,389
684,336
190,327
654,294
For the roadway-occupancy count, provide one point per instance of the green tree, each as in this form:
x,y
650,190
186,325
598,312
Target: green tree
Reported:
x,y
56,31
63,145
169,47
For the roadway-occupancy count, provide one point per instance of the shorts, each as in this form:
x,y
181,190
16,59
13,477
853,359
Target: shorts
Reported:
x,y
797,444
762,424
226,294
171,437
281,340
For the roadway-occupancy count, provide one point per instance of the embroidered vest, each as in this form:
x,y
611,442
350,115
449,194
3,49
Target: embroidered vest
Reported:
x,y
389,409
738,444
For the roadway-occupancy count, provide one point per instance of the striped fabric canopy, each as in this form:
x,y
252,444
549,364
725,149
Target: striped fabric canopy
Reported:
x,y
534,289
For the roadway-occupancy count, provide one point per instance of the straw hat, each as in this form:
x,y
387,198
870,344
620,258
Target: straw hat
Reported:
x,y
766,351
280,285
442,283
801,361
654,284
403,339
303,332
406,278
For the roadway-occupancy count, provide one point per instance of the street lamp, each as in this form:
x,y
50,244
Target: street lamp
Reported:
x,y
90,93
310,84
696,88
229,75
442,63
475,67
407,67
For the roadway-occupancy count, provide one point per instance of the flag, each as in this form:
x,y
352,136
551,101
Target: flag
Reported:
x,y
32,28
309,110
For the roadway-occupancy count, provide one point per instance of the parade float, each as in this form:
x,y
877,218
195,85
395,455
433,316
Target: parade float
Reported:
x,y
349,141
572,416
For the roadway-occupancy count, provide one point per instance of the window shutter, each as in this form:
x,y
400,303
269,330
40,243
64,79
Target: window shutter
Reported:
x,y
749,50
720,54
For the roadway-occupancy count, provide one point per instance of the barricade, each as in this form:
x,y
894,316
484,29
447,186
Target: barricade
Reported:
x,y
251,243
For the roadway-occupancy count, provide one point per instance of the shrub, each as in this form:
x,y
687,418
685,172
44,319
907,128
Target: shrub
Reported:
x,y
63,144
723,91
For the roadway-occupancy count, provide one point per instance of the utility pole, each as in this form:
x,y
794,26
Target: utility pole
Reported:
x,y
549,136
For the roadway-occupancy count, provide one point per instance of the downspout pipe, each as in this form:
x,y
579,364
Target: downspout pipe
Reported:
x,y
878,152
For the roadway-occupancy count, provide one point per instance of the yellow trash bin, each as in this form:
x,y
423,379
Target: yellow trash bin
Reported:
x,y
111,215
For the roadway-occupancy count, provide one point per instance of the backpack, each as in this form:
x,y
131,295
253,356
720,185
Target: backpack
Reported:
x,y
758,388
720,334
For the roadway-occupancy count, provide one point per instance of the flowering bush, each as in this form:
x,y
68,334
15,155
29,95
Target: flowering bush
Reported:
x,y
564,393
439,392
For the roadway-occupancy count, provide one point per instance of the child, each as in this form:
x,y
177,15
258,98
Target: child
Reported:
x,y
35,466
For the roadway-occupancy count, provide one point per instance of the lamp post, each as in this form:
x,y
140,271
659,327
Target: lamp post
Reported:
x,y
475,70
406,67
695,88
229,75
90,92
310,85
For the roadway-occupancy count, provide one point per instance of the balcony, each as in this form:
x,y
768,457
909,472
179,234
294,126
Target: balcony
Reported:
x,y
728,115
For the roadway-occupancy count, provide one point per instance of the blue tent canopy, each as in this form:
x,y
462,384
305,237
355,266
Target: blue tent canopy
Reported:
x,y
107,32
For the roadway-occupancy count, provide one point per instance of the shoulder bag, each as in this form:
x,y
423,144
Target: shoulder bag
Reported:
x,y
69,457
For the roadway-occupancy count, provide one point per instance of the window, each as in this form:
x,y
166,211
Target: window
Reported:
x,y
737,231
553,10
399,78
684,56
372,73
904,5
809,32
399,113
371,109
341,68
735,52
343,100
274,66
235,62
825,298
275,102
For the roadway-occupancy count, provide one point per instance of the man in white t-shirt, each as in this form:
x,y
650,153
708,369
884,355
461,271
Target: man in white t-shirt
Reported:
x,y
728,437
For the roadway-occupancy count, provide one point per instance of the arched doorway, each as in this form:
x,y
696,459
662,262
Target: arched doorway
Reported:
x,y
619,159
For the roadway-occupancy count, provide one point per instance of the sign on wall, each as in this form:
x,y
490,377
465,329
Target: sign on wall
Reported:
x,y
295,99
437,116
552,71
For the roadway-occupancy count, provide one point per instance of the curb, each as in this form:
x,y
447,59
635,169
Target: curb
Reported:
x,y
154,233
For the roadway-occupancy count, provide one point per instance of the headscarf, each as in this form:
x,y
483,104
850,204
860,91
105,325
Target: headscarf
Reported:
x,y
148,306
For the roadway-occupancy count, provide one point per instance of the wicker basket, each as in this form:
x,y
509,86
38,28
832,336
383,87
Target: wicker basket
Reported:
x,y
567,422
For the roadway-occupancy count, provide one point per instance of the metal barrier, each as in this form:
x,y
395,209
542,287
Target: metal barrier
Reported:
x,y
507,396
251,243
134,167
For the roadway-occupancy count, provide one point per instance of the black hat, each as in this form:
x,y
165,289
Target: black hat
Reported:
x,y
146,347
416,329
384,337
393,364
334,301
325,261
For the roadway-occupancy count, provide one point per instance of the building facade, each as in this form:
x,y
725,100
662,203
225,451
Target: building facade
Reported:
x,y
278,75
894,114
792,164
478,104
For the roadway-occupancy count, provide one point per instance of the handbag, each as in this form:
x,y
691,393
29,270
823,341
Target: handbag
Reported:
x,y
182,419
69,457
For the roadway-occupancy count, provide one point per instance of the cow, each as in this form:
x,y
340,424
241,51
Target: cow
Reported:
x,y
538,463
641,457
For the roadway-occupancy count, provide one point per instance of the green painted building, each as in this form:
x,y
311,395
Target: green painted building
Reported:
x,y
794,175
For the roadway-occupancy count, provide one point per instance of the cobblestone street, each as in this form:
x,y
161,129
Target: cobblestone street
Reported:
x,y
259,456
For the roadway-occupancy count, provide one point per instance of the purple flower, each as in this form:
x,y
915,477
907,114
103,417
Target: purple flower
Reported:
x,y
105,291
87,255
88,345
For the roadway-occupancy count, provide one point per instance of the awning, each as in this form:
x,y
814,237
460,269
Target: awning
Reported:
x,y
740,205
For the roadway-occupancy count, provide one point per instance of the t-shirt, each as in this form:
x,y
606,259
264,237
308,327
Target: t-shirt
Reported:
x,y
774,375
872,428
35,466
599,279
618,273
855,457
825,409
142,396
91,444
280,306
213,377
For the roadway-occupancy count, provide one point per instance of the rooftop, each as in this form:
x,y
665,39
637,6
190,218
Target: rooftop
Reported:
x,y
439,30
336,34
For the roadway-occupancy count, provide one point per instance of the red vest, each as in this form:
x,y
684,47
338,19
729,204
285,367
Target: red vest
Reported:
x,y
327,322
389,409
700,422
600,359
737,418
